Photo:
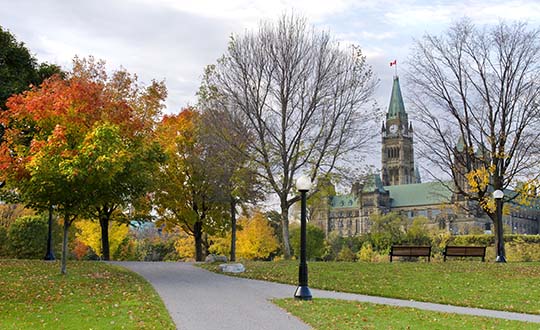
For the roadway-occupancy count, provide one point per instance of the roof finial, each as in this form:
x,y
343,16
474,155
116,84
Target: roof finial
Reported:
x,y
394,63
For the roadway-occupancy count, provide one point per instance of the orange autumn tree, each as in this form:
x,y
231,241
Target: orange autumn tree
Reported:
x,y
142,107
70,144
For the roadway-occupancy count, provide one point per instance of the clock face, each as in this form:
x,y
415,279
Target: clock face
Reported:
x,y
393,129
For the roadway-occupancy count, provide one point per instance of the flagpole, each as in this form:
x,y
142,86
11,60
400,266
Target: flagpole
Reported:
x,y
394,63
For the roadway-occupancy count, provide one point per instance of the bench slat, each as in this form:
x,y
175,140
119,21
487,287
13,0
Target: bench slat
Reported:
x,y
465,251
410,251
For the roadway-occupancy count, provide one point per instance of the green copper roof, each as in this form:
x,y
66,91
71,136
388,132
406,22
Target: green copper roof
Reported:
x,y
482,151
373,183
419,194
460,146
343,201
397,107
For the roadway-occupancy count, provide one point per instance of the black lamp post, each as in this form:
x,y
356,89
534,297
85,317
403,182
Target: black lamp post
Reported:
x,y
498,195
50,255
303,184
233,229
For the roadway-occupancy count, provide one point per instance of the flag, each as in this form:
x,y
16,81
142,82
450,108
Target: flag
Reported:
x,y
394,62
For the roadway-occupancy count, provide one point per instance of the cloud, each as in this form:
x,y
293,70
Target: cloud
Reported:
x,y
432,14
175,40
249,12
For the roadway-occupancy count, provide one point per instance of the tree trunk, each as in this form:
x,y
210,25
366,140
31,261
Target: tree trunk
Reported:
x,y
105,249
285,229
65,246
233,229
197,233
49,255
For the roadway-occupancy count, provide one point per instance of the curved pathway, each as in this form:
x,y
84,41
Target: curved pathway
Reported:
x,y
199,299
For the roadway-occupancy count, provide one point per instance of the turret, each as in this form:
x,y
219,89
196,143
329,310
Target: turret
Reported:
x,y
397,142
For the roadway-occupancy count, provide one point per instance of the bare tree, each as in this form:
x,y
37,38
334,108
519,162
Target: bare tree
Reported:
x,y
480,86
298,97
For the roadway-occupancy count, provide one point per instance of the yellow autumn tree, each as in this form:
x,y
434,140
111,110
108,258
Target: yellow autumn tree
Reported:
x,y
89,233
257,239
185,247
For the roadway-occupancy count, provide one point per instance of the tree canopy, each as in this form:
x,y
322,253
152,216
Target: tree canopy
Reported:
x,y
297,97
478,94
75,143
187,194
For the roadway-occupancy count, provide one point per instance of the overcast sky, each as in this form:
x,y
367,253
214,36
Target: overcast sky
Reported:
x,y
175,39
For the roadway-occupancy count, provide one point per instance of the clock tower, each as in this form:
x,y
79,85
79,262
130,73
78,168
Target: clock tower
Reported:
x,y
397,143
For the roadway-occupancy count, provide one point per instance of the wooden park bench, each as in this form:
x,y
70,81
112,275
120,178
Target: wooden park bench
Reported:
x,y
465,251
410,251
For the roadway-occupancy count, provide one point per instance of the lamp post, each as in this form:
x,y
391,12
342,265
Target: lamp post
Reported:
x,y
498,195
50,255
233,229
303,184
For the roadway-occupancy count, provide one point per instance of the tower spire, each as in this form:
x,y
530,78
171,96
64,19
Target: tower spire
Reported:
x,y
396,109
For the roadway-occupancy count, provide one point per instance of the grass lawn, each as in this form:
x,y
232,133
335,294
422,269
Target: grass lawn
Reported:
x,y
509,287
94,295
338,314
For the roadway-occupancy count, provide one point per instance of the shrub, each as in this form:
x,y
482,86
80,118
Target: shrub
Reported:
x,y
480,240
4,248
518,247
127,250
80,250
332,245
346,254
28,237
156,250
366,252
524,252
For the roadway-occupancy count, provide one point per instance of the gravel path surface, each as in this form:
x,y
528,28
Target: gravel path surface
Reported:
x,y
198,299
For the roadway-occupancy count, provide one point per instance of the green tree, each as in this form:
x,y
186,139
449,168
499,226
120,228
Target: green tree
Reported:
x,y
314,242
186,195
333,244
19,70
386,230
418,232
135,110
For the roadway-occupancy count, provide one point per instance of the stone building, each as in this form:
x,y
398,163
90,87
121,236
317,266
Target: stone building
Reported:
x,y
399,189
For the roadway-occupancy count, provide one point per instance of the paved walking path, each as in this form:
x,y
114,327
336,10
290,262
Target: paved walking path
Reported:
x,y
199,299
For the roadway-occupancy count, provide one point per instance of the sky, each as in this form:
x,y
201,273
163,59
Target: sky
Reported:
x,y
175,39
